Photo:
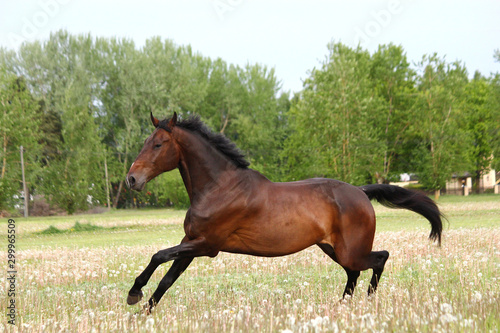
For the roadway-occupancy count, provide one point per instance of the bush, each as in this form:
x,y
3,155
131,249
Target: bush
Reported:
x,y
40,207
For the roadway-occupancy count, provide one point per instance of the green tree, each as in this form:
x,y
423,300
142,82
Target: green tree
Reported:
x,y
222,102
61,73
335,126
18,127
438,150
51,138
494,107
477,120
258,128
122,115
77,178
394,81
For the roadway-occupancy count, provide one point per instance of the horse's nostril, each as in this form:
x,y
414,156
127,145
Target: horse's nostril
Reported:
x,y
131,181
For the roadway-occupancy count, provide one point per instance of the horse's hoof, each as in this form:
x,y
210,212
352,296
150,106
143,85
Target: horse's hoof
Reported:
x,y
134,299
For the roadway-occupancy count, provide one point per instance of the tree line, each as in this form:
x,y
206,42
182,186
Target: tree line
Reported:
x,y
80,105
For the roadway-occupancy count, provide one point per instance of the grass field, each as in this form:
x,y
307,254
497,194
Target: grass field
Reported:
x,y
77,281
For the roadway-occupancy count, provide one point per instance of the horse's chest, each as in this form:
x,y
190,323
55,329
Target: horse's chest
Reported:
x,y
197,225
214,226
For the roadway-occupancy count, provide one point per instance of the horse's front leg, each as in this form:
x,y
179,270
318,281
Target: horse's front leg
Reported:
x,y
177,268
187,249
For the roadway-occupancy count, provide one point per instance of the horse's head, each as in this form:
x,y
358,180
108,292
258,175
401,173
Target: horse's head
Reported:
x,y
159,154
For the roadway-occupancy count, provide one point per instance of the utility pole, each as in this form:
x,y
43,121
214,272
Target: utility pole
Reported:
x,y
107,181
25,188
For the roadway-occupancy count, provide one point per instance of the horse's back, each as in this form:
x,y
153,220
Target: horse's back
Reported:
x,y
344,197
345,208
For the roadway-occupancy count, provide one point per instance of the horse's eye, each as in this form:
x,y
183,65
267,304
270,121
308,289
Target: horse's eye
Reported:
x,y
158,145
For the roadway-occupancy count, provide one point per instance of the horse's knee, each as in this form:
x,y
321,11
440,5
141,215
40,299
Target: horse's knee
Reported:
x,y
352,275
383,256
379,259
374,260
157,258
354,260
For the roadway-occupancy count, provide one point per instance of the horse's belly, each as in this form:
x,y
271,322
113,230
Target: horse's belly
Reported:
x,y
270,240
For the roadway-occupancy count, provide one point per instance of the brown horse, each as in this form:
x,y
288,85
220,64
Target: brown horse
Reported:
x,y
236,209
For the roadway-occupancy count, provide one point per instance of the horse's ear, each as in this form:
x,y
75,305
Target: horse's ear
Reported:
x,y
173,121
154,120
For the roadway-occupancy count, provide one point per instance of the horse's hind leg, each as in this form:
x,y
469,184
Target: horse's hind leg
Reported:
x,y
352,275
352,279
377,262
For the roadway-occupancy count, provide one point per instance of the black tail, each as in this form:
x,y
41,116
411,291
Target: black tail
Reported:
x,y
397,197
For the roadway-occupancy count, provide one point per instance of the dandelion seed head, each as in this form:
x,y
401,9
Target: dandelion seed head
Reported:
x,y
446,308
477,297
447,318
150,323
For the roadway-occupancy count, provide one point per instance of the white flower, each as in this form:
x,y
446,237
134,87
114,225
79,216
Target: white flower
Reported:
x,y
240,315
446,308
317,321
467,323
367,320
477,297
447,318
150,323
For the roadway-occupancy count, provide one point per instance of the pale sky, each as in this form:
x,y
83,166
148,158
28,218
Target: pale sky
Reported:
x,y
288,35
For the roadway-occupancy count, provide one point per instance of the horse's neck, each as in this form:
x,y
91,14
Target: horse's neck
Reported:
x,y
201,165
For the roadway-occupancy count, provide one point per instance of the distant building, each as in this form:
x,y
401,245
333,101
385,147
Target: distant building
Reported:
x,y
461,184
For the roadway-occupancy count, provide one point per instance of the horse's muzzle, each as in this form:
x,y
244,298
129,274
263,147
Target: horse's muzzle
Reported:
x,y
134,182
130,181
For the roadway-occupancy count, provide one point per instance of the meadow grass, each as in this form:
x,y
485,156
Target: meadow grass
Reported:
x,y
77,281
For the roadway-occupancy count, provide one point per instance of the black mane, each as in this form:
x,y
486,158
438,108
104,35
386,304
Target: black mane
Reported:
x,y
217,140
